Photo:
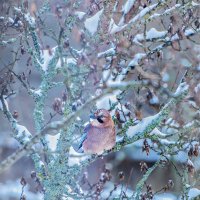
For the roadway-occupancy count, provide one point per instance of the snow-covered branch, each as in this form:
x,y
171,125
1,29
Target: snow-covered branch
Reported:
x,y
139,60
144,128
52,129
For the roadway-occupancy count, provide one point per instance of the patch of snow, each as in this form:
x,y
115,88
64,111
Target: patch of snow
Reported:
x,y
125,9
135,61
10,20
123,115
120,84
158,133
166,142
181,157
198,67
47,56
153,34
6,104
18,10
138,38
141,126
71,61
30,20
165,77
172,8
38,92
75,158
154,100
80,14
41,164
170,121
13,189
195,4
109,52
197,163
128,5
167,11
197,88
104,101
165,196
8,142
143,12
106,74
175,37
181,88
78,119
185,62
193,192
113,28
23,133
98,92
52,141
91,24
189,32
150,35
190,163
116,192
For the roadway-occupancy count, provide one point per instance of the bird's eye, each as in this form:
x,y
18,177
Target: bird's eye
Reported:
x,y
99,119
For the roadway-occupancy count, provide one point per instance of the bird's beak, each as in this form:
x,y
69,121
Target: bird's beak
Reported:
x,y
92,116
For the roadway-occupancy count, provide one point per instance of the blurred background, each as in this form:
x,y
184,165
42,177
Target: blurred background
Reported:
x,y
126,167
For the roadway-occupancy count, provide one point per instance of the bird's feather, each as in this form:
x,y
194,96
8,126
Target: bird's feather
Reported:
x,y
83,138
98,135
78,147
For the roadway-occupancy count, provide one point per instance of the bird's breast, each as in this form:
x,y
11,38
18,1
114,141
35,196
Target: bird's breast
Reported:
x,y
99,139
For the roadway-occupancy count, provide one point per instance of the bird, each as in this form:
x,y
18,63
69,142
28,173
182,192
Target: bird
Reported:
x,y
99,135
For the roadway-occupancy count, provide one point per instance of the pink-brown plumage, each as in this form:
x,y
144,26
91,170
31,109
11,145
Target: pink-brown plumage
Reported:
x,y
100,133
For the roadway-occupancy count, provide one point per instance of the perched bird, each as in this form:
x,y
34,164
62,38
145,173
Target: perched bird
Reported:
x,y
99,134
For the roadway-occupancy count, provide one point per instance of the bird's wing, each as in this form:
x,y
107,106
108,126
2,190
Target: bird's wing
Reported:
x,y
87,128
79,148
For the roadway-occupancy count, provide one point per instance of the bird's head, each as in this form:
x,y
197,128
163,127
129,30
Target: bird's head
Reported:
x,y
101,118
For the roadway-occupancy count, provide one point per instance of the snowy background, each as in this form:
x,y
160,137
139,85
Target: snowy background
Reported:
x,y
138,59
